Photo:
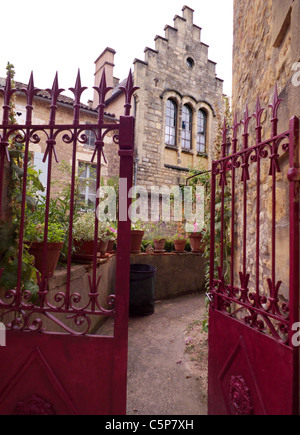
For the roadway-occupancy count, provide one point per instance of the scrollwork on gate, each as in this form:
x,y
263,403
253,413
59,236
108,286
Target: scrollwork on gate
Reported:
x,y
258,303
24,310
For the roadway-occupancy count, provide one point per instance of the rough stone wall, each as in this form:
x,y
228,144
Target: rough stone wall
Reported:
x,y
164,73
266,46
266,52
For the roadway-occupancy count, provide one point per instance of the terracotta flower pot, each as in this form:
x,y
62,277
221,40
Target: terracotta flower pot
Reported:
x,y
196,242
53,251
136,241
179,245
110,246
159,245
102,246
84,247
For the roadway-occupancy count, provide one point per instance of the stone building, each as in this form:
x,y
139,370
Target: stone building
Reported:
x,y
175,106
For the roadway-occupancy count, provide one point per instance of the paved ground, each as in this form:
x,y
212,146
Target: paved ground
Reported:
x,y
161,379
166,375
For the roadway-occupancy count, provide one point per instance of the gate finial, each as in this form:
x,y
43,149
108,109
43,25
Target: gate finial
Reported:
x,y
274,106
30,92
54,93
102,90
128,90
77,91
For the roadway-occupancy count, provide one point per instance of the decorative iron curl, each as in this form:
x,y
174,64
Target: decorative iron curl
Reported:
x,y
75,298
9,294
68,138
20,137
34,137
80,319
22,322
59,298
116,139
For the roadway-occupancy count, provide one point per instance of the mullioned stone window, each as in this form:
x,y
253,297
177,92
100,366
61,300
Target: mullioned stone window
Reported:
x,y
187,125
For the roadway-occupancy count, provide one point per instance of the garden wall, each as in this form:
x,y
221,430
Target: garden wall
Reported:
x,y
177,274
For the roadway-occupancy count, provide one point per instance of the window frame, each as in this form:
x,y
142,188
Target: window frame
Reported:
x,y
171,135
85,194
202,133
187,134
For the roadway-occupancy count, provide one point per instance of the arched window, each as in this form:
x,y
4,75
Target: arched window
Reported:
x,y
201,131
171,123
186,134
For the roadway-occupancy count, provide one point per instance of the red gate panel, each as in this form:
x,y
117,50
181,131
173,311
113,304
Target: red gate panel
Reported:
x,y
56,374
254,295
43,372
249,372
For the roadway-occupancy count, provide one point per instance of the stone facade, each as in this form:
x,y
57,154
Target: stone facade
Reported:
x,y
178,69
266,52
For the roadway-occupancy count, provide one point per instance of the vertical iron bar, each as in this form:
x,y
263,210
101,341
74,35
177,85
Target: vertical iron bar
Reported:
x,y
22,220
234,149
212,227
258,140
294,278
99,144
77,91
126,145
71,220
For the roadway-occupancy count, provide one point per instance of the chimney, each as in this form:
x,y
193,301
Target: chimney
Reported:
x,y
104,61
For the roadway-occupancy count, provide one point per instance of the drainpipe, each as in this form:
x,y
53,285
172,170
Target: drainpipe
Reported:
x,y
135,161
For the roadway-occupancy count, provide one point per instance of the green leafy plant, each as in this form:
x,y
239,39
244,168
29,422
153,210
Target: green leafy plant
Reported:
x,y
111,231
35,233
137,225
179,236
84,227
10,228
202,177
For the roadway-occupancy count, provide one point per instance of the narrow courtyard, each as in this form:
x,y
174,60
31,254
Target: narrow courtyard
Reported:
x,y
167,359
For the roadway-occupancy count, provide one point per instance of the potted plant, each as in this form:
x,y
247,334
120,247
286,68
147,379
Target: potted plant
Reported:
x,y
196,239
159,238
179,241
83,236
137,234
112,233
34,239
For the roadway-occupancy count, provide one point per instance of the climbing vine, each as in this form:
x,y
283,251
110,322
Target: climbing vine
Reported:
x,y
200,176
10,228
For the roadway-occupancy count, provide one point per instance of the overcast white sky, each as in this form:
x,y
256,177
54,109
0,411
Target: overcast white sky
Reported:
x,y
64,35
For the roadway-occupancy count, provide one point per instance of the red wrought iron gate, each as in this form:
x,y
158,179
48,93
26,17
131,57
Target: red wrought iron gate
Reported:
x,y
254,279
70,372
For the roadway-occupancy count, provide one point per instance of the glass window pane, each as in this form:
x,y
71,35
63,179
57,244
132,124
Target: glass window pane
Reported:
x,y
186,134
201,131
171,118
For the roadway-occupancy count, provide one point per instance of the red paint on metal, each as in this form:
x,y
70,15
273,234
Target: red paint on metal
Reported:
x,y
247,315
75,372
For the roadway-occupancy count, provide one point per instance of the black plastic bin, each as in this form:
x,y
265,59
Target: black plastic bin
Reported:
x,y
142,289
